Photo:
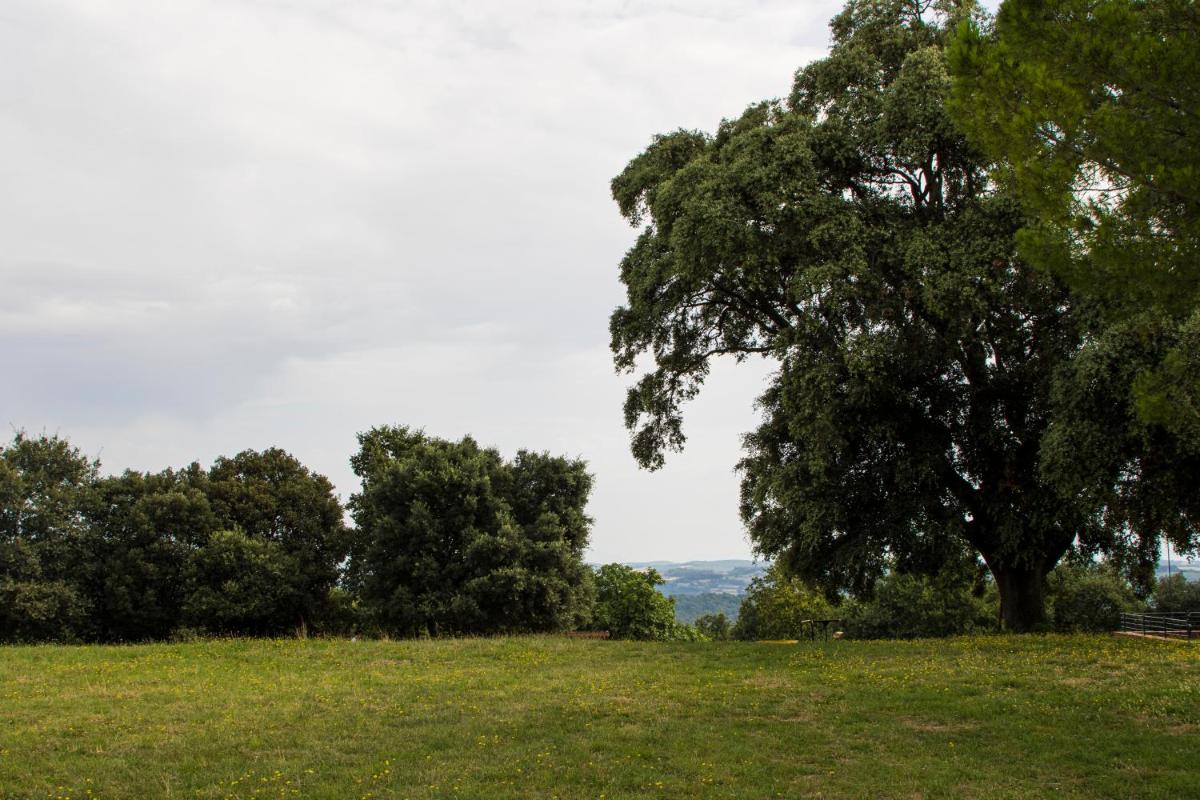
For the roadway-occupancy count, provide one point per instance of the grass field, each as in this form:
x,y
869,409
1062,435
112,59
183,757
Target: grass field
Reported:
x,y
547,717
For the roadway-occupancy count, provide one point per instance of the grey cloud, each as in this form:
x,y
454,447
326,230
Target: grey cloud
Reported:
x,y
239,224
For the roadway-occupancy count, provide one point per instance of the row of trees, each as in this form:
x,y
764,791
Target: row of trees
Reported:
x,y
970,248
450,538
254,544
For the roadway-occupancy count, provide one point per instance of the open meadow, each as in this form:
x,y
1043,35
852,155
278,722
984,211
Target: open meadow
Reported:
x,y
1000,716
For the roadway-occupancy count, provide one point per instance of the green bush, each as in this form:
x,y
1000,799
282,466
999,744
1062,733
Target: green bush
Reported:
x,y
342,615
235,584
776,605
1088,598
917,606
273,498
1177,593
454,539
41,611
629,606
716,627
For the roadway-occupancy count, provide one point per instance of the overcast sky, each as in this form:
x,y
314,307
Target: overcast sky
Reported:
x,y
233,225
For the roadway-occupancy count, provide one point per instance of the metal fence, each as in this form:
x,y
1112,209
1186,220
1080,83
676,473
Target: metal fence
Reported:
x,y
1180,624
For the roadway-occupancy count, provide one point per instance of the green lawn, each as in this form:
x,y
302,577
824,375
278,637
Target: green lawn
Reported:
x,y
547,717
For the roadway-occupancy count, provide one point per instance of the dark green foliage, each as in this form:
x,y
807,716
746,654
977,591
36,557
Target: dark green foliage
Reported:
x,y
1088,108
776,605
36,609
44,486
343,615
272,497
715,627
132,557
1136,479
453,539
1177,593
141,530
1168,393
1089,598
629,605
920,606
239,584
1088,111
852,235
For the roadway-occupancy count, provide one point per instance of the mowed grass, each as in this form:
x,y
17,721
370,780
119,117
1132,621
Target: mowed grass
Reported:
x,y
998,716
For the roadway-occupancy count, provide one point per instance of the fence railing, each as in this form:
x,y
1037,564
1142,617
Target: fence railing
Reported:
x,y
812,628
1181,624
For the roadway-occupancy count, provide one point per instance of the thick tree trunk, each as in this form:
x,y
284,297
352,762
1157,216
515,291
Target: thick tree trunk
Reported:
x,y
1022,597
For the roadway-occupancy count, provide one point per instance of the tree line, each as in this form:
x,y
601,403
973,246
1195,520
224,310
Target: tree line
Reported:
x,y
253,545
449,538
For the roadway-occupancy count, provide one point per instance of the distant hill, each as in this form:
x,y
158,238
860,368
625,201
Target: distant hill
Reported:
x,y
705,587
690,607
1191,570
730,576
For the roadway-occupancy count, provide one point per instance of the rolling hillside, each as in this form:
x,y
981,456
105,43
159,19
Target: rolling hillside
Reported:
x,y
730,576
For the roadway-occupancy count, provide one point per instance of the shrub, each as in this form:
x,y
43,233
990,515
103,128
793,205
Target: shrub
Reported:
x,y
1177,593
914,606
274,498
682,632
629,606
1088,598
41,611
342,615
716,627
776,604
454,539
239,585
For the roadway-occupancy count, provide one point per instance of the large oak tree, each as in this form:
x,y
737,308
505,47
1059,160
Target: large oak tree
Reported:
x,y
851,234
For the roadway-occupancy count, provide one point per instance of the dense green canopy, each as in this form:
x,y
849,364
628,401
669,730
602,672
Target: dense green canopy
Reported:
x,y
44,488
454,539
271,497
852,235
1089,109
1089,113
252,546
